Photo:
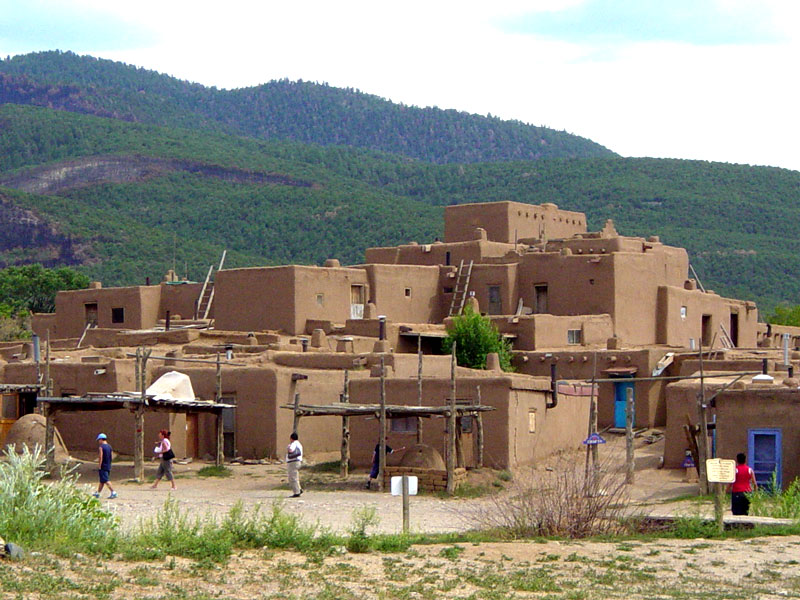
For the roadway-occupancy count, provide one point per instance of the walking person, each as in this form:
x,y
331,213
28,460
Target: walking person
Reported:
x,y
294,458
104,464
164,451
745,482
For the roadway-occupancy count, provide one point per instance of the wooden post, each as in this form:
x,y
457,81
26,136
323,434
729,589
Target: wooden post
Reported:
x,y
296,422
47,381
629,459
49,438
719,499
138,444
479,432
459,445
702,438
345,460
382,443
405,505
419,386
136,370
219,458
451,426
218,382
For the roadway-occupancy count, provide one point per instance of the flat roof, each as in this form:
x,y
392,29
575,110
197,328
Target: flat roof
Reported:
x,y
93,402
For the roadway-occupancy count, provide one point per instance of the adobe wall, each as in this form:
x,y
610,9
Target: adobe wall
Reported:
x,y
262,426
536,332
80,429
510,221
576,285
681,400
254,299
505,276
405,293
181,299
770,336
140,305
333,283
508,443
756,407
578,365
41,322
677,327
439,253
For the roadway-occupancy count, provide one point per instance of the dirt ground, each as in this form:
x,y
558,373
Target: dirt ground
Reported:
x,y
669,569
329,501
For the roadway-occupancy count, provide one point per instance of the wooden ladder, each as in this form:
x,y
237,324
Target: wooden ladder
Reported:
x,y
207,292
460,291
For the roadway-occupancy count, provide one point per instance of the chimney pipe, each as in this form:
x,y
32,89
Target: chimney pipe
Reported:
x,y
166,324
763,366
553,387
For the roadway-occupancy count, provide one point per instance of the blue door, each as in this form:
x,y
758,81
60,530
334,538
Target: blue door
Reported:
x,y
620,399
764,456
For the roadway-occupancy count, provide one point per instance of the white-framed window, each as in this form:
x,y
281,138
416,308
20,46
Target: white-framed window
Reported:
x,y
574,336
531,421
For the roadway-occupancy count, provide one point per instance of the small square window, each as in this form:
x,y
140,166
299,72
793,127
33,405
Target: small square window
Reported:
x,y
117,315
574,336
321,299
408,292
403,425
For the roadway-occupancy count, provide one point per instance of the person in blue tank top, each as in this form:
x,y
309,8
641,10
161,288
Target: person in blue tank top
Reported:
x,y
104,464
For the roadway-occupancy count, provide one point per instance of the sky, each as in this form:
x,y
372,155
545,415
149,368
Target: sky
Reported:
x,y
712,80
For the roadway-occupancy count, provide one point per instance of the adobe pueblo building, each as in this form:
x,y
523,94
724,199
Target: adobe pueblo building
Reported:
x,y
589,305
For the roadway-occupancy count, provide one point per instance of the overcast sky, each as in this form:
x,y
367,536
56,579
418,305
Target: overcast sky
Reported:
x,y
702,79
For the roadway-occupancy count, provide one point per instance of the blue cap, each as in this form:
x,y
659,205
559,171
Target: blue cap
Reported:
x,y
102,436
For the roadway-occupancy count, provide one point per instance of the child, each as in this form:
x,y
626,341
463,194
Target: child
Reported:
x,y
104,462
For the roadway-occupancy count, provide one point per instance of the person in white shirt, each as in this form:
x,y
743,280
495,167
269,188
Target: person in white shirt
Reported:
x,y
294,458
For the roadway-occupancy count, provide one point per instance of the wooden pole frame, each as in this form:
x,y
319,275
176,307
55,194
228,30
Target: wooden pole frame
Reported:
x,y
629,457
382,420
344,466
479,431
419,386
451,426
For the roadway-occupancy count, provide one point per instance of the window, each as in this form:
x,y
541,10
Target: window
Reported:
x,y
448,290
321,299
683,313
91,313
466,424
408,292
495,303
117,315
540,293
9,406
403,425
531,421
574,336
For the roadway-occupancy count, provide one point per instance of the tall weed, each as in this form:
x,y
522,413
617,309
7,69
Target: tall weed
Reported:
x,y
60,516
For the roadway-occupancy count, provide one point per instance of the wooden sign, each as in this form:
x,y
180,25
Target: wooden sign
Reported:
x,y
720,470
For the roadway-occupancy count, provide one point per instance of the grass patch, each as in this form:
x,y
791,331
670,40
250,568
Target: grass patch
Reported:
x,y
215,471
331,466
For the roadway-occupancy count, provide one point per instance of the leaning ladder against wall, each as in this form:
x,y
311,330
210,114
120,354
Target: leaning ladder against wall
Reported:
x,y
460,291
207,292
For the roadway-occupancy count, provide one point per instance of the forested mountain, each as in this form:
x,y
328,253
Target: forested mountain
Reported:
x,y
279,110
127,200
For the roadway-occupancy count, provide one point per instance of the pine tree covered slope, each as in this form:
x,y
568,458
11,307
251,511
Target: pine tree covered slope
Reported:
x,y
177,197
279,110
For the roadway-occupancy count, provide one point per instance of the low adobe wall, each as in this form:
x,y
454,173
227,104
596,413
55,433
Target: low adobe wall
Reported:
x,y
428,480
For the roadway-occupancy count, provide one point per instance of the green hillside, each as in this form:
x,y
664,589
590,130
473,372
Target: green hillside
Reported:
x,y
279,110
167,197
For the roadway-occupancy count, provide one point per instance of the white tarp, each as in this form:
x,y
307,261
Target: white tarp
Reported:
x,y
172,386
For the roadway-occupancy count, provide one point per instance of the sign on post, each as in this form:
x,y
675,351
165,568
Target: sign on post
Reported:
x,y
720,470
593,440
397,485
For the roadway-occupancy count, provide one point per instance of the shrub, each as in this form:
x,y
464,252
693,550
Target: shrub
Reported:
x,y
363,518
475,337
60,516
562,503
214,471
781,504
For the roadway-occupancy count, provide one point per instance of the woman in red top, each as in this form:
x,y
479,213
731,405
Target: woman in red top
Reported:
x,y
745,482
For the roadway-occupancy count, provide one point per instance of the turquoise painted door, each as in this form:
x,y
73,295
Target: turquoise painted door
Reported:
x,y
620,399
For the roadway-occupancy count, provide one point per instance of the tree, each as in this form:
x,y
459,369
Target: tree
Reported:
x,y
785,315
33,287
475,337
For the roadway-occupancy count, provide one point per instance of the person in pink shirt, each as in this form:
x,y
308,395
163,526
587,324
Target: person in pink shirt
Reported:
x,y
745,482
164,451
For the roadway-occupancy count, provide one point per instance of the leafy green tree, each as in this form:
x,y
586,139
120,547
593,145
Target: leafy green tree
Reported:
x,y
33,287
475,337
785,315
